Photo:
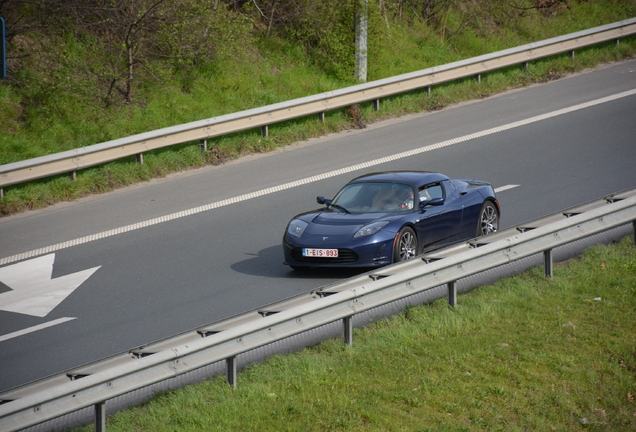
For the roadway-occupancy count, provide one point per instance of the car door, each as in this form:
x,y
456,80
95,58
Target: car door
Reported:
x,y
439,224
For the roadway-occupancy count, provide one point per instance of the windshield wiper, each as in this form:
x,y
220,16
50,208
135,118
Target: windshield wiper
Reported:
x,y
339,207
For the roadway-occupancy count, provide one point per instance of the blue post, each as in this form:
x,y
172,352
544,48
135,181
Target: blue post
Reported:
x,y
3,50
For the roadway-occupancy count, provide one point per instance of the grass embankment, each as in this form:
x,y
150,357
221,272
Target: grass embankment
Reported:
x,y
51,112
525,354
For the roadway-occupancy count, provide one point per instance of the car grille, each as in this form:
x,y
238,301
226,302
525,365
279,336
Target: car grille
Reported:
x,y
344,256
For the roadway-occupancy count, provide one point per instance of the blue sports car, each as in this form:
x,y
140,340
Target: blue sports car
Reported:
x,y
382,218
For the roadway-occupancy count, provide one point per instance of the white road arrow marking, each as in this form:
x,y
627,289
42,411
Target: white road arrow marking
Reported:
x,y
33,290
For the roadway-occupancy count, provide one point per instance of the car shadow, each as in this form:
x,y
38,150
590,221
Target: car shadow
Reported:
x,y
268,262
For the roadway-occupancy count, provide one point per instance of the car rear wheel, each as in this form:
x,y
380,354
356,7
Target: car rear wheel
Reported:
x,y
488,219
405,246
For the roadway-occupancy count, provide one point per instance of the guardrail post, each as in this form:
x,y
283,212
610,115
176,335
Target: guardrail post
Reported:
x,y
547,263
571,54
376,104
525,66
617,42
100,417
140,158
203,145
73,175
265,131
1,194
321,116
428,90
452,293
230,365
478,78
347,330
634,231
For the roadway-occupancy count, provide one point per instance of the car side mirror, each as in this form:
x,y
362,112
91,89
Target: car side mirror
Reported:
x,y
431,202
323,200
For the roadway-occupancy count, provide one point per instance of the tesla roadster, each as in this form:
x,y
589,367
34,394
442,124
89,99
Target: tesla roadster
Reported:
x,y
382,218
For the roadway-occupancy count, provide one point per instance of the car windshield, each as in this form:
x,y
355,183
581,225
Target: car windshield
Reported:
x,y
374,198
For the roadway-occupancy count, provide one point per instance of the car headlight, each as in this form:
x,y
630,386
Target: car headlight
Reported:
x,y
370,229
296,228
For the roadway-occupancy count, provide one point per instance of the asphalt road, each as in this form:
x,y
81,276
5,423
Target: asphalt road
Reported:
x,y
177,253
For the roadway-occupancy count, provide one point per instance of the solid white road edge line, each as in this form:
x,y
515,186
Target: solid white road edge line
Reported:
x,y
35,328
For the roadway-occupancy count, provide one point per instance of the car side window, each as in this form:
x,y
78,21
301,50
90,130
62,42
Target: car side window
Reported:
x,y
431,191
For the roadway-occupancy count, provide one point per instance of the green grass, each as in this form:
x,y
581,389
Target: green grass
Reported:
x,y
525,354
57,107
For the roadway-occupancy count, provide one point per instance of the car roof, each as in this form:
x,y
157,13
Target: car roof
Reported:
x,y
415,178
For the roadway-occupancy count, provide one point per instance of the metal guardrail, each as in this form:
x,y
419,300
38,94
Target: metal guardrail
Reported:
x,y
73,160
93,384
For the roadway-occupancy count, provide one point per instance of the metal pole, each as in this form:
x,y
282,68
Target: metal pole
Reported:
x,y
547,262
3,50
230,365
100,417
362,23
265,131
203,145
452,293
347,330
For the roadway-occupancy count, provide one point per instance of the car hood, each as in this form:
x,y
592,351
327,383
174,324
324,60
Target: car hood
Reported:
x,y
334,223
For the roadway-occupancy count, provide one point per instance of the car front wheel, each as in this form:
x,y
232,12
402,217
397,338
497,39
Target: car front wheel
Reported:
x,y
406,245
488,219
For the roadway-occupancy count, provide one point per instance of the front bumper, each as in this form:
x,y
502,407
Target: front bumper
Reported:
x,y
364,252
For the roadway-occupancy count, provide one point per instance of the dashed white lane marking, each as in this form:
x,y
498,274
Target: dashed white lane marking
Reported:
x,y
503,188
271,190
34,328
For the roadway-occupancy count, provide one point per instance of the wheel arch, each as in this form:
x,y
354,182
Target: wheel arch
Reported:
x,y
404,225
396,241
495,203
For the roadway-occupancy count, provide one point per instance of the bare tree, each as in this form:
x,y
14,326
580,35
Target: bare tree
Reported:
x,y
140,35
127,29
132,40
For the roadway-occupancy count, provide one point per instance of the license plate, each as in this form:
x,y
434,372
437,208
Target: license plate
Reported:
x,y
320,253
